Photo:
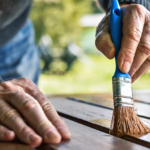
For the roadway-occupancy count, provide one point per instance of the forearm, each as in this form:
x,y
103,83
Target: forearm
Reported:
x,y
105,4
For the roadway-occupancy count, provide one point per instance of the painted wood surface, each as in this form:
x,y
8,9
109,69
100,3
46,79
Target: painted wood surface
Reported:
x,y
86,138
94,116
14,146
142,107
83,138
142,96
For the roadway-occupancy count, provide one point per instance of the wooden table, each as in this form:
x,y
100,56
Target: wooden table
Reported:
x,y
88,117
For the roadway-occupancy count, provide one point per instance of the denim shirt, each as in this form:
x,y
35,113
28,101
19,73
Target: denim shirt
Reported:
x,y
19,56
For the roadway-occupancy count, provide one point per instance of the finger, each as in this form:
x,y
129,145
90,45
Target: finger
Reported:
x,y
6,134
11,119
55,119
133,22
46,106
143,69
52,115
103,40
143,50
33,113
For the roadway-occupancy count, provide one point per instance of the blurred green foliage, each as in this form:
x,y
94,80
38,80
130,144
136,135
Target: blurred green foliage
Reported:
x,y
93,77
60,19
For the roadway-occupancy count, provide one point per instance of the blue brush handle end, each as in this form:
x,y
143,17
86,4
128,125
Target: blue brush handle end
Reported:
x,y
116,34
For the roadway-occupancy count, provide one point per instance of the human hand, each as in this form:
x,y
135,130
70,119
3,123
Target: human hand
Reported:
x,y
27,114
134,55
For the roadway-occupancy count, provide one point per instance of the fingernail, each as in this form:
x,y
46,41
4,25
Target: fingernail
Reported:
x,y
9,134
33,137
64,132
126,67
35,140
53,137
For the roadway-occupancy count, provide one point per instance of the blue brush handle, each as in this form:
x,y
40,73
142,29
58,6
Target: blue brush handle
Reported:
x,y
116,34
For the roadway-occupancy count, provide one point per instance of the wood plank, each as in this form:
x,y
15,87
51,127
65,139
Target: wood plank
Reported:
x,y
86,138
143,109
14,146
93,116
142,96
83,138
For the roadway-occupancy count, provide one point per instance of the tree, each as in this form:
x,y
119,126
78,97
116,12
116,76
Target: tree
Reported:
x,y
60,19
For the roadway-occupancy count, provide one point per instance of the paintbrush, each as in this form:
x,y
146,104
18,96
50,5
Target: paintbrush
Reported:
x,y
124,119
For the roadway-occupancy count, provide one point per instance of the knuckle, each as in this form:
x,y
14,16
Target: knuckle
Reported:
x,y
139,8
6,84
14,94
134,34
25,80
44,126
9,115
144,48
27,85
47,107
36,94
58,122
129,53
126,55
25,130
29,105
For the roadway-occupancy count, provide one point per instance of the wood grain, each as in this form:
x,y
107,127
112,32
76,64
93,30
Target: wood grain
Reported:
x,y
86,138
142,108
83,138
93,116
14,146
142,96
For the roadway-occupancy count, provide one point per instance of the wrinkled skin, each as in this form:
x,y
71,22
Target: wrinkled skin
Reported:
x,y
26,114
134,55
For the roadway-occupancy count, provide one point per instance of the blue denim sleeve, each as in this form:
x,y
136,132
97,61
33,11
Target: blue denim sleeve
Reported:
x,y
19,56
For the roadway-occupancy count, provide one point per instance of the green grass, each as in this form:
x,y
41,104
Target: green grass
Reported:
x,y
93,77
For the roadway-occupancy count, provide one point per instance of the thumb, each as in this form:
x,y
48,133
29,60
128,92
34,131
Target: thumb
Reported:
x,y
105,45
103,40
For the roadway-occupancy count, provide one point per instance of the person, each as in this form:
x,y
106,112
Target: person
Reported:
x,y
25,112
134,55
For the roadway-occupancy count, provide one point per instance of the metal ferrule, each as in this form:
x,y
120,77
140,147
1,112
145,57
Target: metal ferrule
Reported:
x,y
122,92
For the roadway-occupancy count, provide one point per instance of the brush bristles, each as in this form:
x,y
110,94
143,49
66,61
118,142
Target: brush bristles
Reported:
x,y
126,121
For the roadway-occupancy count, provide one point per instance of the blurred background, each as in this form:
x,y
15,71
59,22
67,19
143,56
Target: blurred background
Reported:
x,y
70,62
